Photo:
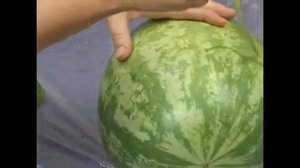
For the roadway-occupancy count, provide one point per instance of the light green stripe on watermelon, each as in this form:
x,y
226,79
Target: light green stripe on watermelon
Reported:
x,y
190,96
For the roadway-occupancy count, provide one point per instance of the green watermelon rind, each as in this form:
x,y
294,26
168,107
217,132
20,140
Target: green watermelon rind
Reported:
x,y
40,94
131,149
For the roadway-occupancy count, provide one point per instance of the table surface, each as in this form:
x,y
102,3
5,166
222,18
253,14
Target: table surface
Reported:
x,y
71,72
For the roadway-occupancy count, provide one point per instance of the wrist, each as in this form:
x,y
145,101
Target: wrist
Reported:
x,y
126,5
113,6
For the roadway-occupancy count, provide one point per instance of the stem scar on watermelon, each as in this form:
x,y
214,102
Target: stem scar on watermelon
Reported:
x,y
196,102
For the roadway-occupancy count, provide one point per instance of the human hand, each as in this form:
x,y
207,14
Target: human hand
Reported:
x,y
72,16
159,5
213,13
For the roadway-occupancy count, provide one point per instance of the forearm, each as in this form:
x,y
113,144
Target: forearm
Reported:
x,y
58,19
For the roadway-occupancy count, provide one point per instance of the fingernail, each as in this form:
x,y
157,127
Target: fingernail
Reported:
x,y
119,52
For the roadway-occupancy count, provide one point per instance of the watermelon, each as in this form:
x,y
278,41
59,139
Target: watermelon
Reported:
x,y
189,96
40,94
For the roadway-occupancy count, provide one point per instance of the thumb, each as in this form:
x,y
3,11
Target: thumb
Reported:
x,y
119,29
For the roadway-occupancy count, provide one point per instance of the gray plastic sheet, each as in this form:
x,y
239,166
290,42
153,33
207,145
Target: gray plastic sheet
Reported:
x,y
71,71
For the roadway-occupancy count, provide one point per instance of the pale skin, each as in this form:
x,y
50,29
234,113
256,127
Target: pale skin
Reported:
x,y
57,19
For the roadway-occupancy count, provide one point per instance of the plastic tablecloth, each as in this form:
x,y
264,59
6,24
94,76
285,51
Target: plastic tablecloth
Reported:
x,y
71,71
